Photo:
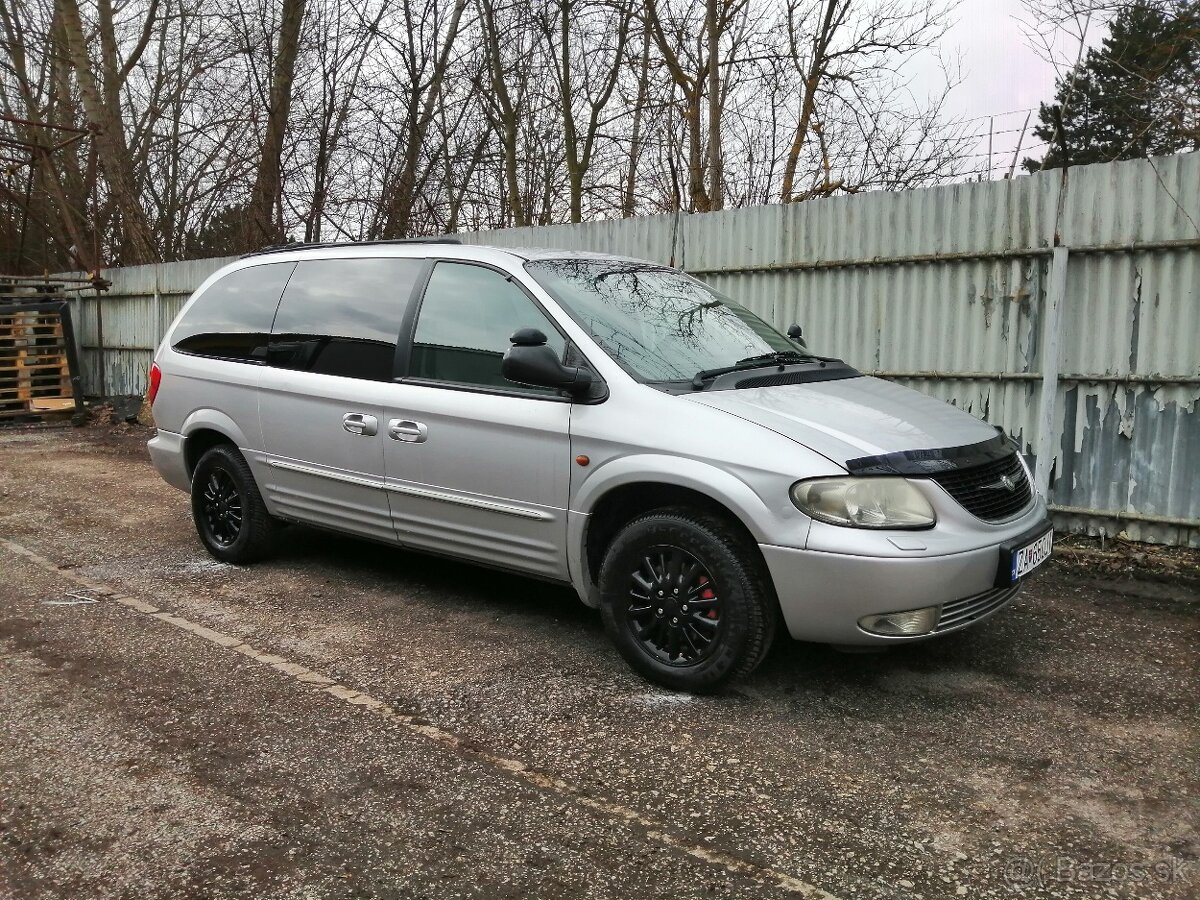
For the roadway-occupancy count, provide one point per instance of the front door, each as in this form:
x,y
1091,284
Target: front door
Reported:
x,y
477,466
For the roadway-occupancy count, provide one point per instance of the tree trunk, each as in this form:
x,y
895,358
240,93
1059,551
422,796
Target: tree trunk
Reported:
x,y
715,167
700,197
692,90
507,115
138,241
511,175
402,196
263,225
635,139
570,134
811,82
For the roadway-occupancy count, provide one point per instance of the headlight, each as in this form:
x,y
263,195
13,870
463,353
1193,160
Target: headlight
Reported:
x,y
864,502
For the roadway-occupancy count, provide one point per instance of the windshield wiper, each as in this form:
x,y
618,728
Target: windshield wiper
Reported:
x,y
777,357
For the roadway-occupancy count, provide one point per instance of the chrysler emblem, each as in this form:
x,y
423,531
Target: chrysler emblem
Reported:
x,y
1004,484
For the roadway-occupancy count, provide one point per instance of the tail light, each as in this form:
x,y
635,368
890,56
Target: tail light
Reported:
x,y
155,381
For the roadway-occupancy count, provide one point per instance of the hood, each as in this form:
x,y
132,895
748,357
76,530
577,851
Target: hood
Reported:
x,y
852,417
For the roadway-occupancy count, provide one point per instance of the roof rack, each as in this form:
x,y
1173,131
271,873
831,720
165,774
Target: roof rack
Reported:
x,y
300,245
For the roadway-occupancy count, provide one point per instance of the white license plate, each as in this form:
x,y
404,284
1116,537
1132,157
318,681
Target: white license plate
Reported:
x,y
1026,559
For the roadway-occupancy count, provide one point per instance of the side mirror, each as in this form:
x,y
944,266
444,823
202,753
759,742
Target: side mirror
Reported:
x,y
797,335
530,361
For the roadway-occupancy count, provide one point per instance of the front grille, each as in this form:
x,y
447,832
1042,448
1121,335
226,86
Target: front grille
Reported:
x,y
982,491
972,609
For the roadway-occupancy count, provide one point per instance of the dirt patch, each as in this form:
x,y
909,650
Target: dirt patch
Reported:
x,y
1123,561
98,431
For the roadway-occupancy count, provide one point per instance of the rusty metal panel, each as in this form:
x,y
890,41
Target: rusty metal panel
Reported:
x,y
1128,445
123,372
130,327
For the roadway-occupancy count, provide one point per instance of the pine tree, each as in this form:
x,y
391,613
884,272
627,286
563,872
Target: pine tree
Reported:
x,y
1136,95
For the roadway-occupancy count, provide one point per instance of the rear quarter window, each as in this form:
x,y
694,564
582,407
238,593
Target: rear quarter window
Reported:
x,y
232,318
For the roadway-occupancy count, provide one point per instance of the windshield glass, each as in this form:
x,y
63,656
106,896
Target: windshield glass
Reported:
x,y
660,324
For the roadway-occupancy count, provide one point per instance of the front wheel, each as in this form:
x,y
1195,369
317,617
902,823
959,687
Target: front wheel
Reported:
x,y
684,600
231,518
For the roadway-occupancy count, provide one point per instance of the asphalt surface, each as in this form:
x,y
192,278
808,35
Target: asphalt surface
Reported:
x,y
348,720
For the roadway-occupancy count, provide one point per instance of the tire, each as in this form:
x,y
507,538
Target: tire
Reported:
x,y
230,516
728,598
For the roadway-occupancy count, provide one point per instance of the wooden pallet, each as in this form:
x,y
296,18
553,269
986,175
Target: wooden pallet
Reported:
x,y
37,375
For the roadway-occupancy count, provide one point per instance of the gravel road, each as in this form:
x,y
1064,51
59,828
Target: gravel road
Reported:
x,y
348,720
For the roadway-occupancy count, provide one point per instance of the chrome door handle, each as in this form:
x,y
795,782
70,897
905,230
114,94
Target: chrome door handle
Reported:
x,y
408,430
357,423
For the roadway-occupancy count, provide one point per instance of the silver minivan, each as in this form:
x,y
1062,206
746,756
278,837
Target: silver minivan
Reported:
x,y
594,420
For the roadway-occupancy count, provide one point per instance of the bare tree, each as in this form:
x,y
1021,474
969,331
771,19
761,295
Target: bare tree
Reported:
x,y
846,52
674,49
714,15
102,103
505,88
427,53
225,127
1058,31
263,217
44,188
576,35
636,138
346,33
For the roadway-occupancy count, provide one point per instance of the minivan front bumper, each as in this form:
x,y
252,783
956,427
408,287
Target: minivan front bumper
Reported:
x,y
823,595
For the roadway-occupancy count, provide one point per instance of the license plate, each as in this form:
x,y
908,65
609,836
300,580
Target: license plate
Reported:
x,y
1027,558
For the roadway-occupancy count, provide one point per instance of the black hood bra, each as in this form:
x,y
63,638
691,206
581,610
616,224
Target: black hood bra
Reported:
x,y
933,462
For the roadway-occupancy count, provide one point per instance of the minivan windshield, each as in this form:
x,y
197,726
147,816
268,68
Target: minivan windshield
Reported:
x,y
658,323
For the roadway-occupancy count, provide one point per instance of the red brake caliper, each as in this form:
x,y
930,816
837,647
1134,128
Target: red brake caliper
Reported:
x,y
707,594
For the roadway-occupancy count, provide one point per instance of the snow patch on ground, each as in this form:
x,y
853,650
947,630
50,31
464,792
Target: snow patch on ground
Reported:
x,y
203,566
655,699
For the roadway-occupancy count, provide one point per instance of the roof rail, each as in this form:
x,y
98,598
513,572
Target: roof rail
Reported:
x,y
300,245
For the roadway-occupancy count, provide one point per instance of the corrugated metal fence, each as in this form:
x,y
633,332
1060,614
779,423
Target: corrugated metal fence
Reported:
x,y
1065,310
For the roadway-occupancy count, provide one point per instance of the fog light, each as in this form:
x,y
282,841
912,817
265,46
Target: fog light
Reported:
x,y
900,624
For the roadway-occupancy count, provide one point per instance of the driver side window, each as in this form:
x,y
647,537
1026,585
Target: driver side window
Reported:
x,y
465,321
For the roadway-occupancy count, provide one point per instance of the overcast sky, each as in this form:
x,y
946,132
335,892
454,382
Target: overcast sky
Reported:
x,y
1002,75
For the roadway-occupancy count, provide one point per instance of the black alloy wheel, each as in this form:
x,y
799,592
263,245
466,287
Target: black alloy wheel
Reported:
x,y
674,609
222,508
231,518
685,599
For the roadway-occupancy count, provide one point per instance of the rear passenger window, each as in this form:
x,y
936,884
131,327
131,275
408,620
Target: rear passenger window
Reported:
x,y
466,319
342,316
232,318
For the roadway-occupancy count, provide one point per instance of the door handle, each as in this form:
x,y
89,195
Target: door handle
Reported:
x,y
357,423
408,430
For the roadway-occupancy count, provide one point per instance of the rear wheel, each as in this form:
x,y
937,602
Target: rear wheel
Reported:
x,y
684,600
231,518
